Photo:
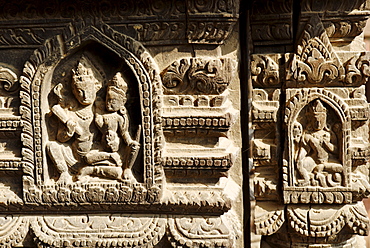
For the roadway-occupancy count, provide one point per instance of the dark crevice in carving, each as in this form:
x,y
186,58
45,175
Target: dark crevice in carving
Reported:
x,y
296,18
281,138
246,95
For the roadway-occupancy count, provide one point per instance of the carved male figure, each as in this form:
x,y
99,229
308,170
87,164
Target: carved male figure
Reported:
x,y
75,122
113,123
317,152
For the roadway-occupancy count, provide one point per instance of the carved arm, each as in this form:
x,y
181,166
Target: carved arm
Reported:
x,y
65,119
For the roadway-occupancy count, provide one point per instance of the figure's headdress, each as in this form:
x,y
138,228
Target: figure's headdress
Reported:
x,y
86,72
118,84
317,107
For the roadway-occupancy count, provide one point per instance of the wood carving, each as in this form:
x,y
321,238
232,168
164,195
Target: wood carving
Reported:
x,y
99,141
310,123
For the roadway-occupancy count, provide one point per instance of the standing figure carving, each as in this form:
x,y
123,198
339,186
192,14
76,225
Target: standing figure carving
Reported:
x,y
317,152
75,123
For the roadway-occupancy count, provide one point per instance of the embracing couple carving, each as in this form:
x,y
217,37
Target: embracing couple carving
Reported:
x,y
76,150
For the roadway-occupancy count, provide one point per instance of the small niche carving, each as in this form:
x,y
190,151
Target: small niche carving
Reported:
x,y
316,135
92,137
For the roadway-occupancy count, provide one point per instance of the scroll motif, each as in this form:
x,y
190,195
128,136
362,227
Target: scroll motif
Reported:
x,y
200,231
265,71
198,76
98,230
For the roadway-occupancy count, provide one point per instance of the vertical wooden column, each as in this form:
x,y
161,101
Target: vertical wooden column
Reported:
x,y
310,119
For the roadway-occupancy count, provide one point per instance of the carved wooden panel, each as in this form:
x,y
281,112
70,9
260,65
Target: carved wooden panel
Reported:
x,y
105,144
311,123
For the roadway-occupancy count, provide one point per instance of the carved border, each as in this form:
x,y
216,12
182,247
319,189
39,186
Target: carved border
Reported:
x,y
13,230
132,231
54,50
203,231
328,222
118,230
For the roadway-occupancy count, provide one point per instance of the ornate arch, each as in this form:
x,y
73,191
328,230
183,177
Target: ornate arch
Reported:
x,y
294,106
35,74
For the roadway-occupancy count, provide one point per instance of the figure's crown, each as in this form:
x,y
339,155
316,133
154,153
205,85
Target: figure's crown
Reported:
x,y
118,84
318,107
84,69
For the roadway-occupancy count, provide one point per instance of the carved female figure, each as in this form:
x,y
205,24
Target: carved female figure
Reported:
x,y
113,123
317,152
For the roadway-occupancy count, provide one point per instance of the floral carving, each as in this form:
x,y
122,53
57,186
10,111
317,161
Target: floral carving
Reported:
x,y
316,64
315,61
265,71
87,231
199,231
197,76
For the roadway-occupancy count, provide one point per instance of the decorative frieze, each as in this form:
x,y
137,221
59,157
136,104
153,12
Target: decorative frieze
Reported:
x,y
171,22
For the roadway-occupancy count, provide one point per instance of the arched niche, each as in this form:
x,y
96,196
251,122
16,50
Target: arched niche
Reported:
x,y
317,160
109,52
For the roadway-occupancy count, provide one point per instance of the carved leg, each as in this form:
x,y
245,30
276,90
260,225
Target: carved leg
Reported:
x,y
87,171
127,175
55,153
110,172
322,179
304,167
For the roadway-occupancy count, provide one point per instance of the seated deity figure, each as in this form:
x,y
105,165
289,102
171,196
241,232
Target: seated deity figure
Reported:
x,y
317,154
113,123
74,135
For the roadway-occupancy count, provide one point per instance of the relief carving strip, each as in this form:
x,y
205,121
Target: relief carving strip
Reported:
x,y
98,231
172,22
117,230
193,85
317,96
